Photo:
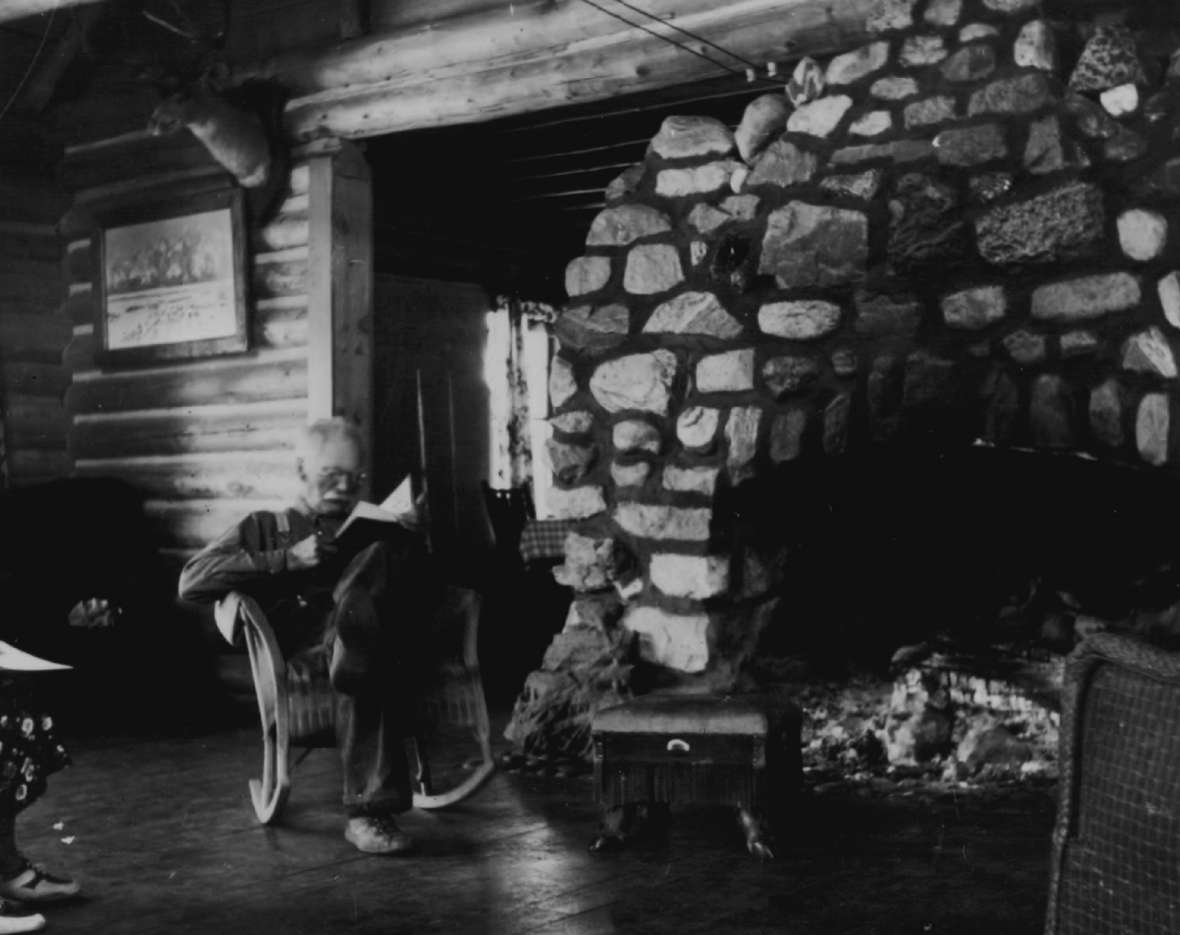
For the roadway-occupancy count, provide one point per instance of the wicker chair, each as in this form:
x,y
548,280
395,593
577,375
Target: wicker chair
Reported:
x,y
296,703
1116,844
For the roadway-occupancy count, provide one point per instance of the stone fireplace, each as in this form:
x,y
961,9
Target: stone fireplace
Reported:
x,y
964,231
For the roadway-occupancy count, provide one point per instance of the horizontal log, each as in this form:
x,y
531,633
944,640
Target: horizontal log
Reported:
x,y
26,145
214,429
78,221
283,233
79,306
404,14
36,424
249,476
172,560
79,353
281,326
112,140
79,261
35,466
36,242
285,278
274,375
499,64
194,523
282,256
29,291
460,44
31,355
30,281
158,186
294,204
134,158
34,379
31,200
32,333
32,269
94,120
299,179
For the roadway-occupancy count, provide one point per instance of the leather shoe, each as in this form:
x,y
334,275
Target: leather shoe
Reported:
x,y
377,835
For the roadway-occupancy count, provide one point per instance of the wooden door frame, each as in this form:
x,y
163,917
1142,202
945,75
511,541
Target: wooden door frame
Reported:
x,y
340,285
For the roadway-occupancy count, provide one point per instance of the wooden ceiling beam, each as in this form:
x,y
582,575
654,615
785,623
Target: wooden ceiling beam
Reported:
x,y
499,63
53,66
19,9
30,199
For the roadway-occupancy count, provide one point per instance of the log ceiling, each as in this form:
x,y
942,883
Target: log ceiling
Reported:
x,y
362,69
488,62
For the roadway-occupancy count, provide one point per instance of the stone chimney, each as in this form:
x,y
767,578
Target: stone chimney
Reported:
x,y
964,229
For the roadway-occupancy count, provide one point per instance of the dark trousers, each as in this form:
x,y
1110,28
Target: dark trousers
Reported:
x,y
374,603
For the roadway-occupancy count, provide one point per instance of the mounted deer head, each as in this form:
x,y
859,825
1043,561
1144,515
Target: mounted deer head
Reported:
x,y
234,136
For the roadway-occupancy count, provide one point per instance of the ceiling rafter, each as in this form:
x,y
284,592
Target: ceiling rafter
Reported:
x,y
19,9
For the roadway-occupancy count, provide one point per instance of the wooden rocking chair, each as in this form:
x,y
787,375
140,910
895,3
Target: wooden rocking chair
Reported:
x,y
296,703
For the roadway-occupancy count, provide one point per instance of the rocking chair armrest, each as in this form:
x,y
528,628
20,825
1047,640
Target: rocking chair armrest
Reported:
x,y
234,612
227,616
470,604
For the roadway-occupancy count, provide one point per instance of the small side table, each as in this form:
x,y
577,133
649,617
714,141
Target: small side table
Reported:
x,y
666,750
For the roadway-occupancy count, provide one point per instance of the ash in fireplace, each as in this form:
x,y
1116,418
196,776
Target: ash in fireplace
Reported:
x,y
945,718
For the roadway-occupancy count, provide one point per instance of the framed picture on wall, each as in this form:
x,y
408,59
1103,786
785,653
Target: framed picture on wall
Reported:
x,y
172,279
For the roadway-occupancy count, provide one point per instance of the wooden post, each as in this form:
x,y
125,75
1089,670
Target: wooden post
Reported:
x,y
319,288
340,287
420,404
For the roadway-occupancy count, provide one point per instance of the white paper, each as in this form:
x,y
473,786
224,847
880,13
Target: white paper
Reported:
x,y
17,660
398,508
401,501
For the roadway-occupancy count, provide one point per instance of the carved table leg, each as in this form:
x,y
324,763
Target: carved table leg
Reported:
x,y
614,828
757,834
623,824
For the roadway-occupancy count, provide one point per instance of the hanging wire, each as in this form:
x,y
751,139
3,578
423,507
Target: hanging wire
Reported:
x,y
749,73
32,64
685,32
171,27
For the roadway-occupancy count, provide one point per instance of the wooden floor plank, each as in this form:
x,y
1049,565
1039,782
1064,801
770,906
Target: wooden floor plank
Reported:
x,y
162,835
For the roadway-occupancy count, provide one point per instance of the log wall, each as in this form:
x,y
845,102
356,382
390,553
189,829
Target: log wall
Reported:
x,y
205,440
33,332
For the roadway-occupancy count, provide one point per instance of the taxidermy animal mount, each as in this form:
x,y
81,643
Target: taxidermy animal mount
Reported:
x,y
241,127
234,137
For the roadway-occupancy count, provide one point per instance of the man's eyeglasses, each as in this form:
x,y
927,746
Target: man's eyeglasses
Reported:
x,y
330,479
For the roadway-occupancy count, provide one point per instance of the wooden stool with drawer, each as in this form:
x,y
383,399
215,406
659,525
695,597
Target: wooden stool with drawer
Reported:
x,y
667,750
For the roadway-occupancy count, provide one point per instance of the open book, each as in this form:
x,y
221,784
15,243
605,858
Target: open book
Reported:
x,y
17,660
369,522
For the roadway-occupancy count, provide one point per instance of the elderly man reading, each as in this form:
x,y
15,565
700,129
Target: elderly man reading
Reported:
x,y
355,614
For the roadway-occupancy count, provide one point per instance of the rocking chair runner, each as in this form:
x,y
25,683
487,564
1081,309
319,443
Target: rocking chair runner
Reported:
x,y
296,703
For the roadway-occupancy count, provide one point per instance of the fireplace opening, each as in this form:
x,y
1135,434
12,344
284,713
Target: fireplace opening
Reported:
x,y
926,600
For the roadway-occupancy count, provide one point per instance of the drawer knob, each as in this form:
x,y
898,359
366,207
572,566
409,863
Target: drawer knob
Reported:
x,y
678,746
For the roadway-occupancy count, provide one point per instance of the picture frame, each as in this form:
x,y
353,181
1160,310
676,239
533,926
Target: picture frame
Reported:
x,y
171,279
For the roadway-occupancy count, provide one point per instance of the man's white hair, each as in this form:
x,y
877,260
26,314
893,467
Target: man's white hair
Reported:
x,y
313,438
